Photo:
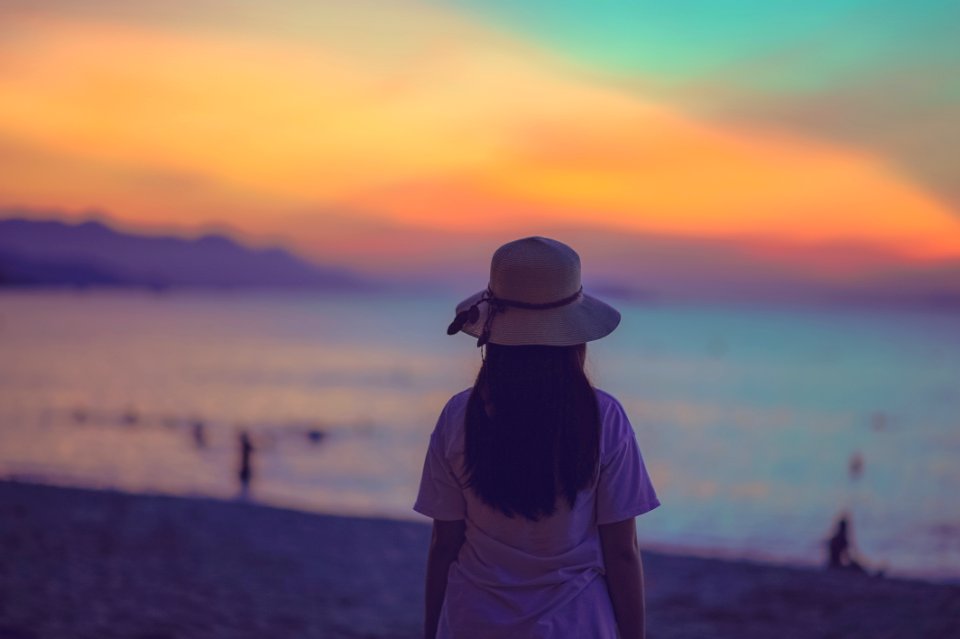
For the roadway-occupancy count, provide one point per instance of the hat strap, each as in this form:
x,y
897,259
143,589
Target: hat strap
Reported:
x,y
500,305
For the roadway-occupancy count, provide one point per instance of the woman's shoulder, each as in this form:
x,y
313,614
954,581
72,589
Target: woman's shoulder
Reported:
x,y
610,406
615,426
458,402
450,423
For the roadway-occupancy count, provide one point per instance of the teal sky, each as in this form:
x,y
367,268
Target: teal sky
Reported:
x,y
879,75
681,40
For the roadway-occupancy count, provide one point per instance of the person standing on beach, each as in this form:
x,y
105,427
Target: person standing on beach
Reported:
x,y
534,478
246,466
839,552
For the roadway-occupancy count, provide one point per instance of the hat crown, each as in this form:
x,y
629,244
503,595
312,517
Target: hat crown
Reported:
x,y
536,270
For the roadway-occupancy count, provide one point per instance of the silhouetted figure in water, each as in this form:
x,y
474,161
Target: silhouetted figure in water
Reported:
x,y
130,417
838,549
855,466
246,469
199,434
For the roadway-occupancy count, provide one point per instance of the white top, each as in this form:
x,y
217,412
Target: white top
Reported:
x,y
520,578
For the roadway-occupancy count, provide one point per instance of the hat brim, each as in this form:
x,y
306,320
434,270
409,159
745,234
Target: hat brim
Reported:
x,y
584,320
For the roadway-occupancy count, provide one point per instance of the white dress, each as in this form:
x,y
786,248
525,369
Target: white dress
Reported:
x,y
519,578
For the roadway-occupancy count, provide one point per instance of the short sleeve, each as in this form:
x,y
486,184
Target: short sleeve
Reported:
x,y
624,489
440,495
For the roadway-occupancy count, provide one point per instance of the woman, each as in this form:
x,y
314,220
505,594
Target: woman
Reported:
x,y
532,477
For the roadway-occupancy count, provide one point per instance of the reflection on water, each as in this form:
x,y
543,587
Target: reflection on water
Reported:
x,y
749,418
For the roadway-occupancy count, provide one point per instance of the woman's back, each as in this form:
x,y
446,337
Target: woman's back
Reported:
x,y
520,577
533,477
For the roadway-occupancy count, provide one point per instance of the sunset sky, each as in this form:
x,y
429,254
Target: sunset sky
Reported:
x,y
402,134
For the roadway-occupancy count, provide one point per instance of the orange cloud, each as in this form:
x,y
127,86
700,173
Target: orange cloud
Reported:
x,y
441,124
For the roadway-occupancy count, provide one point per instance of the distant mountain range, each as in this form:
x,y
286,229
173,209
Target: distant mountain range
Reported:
x,y
54,253
641,268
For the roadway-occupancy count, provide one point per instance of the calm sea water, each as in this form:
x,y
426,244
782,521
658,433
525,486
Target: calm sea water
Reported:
x,y
748,417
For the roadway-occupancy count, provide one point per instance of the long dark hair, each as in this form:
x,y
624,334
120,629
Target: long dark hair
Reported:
x,y
532,429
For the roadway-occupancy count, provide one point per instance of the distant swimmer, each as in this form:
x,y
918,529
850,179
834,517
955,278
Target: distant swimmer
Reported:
x,y
199,434
130,417
855,466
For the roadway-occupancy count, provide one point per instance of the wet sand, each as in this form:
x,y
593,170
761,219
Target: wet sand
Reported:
x,y
100,564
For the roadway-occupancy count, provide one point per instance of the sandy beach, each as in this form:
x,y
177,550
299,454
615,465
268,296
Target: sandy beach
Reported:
x,y
100,564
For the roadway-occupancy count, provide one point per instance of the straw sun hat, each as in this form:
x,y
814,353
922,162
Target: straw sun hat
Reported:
x,y
534,297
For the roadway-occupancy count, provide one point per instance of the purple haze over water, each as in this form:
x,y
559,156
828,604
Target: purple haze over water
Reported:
x,y
747,416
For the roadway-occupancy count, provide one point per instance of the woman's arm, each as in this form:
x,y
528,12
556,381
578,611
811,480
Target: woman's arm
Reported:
x,y
445,545
621,558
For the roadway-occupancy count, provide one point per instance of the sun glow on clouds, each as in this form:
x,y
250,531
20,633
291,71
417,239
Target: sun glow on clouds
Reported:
x,y
438,123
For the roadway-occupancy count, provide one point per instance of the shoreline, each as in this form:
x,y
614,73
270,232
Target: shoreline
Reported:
x,y
718,553
80,562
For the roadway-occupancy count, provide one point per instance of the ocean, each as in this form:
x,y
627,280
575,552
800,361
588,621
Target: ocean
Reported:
x,y
759,425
